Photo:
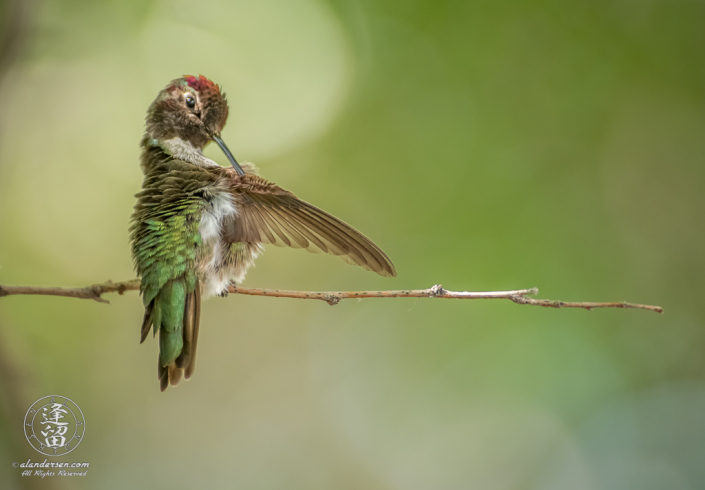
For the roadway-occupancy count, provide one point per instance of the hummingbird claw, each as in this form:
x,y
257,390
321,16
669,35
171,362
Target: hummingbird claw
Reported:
x,y
224,294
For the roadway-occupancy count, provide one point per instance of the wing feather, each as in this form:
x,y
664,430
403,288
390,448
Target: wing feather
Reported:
x,y
269,214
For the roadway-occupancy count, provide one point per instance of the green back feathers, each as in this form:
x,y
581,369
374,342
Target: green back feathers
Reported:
x,y
164,246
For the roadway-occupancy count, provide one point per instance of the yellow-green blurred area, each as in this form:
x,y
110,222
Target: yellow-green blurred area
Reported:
x,y
483,145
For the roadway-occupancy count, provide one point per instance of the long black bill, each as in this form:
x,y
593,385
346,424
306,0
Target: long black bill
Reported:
x,y
230,156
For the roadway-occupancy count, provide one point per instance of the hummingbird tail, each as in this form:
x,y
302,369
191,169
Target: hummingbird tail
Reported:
x,y
175,314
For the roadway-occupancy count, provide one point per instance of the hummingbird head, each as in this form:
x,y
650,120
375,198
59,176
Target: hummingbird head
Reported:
x,y
189,113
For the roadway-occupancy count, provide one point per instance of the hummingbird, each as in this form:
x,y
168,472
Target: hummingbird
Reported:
x,y
197,227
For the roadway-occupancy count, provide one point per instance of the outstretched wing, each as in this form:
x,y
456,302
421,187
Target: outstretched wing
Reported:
x,y
269,214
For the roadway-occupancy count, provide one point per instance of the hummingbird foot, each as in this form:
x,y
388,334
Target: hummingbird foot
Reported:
x,y
224,293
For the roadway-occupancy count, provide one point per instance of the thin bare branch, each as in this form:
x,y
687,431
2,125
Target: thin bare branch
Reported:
x,y
518,296
94,292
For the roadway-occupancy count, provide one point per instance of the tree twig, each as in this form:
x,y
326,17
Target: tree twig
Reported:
x,y
89,292
518,296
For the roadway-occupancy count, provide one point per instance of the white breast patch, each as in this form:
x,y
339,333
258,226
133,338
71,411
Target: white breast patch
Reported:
x,y
210,227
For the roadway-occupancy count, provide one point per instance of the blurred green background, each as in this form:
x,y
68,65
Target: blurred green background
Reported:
x,y
483,145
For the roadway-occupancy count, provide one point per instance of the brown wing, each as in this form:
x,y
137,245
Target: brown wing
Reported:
x,y
269,214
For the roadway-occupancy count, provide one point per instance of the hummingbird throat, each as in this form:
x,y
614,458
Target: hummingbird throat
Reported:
x,y
184,150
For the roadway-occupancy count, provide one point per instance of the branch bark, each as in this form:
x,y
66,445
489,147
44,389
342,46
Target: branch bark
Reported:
x,y
518,296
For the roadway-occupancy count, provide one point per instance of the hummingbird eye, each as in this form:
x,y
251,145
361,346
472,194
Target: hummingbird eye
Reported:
x,y
190,102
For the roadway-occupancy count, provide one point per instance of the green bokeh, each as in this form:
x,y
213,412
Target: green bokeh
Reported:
x,y
482,145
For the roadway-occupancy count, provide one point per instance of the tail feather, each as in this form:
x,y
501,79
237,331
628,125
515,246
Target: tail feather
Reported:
x,y
196,327
147,322
186,352
171,299
163,375
175,314
174,374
